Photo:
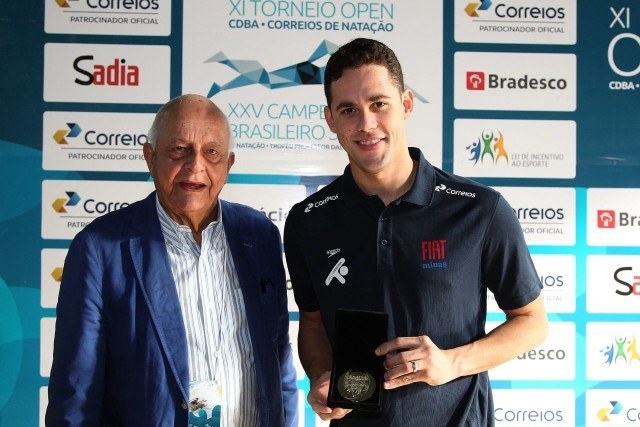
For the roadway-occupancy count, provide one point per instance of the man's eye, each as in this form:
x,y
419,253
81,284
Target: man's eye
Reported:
x,y
179,149
348,110
379,104
212,151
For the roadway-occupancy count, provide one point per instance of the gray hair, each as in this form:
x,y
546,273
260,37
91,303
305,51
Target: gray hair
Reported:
x,y
152,135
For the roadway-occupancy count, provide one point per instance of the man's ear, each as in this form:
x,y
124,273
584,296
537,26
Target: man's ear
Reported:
x,y
329,119
232,160
147,151
407,103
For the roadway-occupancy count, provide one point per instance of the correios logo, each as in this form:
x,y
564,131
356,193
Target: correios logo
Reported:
x,y
117,73
472,8
89,206
604,413
60,137
475,80
114,4
488,144
503,10
443,188
72,199
57,274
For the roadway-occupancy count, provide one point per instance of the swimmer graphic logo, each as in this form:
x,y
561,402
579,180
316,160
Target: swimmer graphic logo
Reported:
x,y
338,272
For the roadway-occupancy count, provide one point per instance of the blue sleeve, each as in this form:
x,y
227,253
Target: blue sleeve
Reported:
x,y
507,268
76,384
285,354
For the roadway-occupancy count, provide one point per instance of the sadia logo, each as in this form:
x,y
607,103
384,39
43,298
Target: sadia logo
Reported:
x,y
604,413
72,199
627,288
61,135
606,219
475,80
118,73
488,144
473,8
622,350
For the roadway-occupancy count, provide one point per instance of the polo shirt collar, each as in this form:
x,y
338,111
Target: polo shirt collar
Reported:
x,y
420,193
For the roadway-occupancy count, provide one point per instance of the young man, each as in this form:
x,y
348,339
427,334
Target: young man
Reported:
x,y
416,242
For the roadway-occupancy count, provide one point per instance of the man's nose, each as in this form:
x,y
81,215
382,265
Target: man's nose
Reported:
x,y
367,121
195,163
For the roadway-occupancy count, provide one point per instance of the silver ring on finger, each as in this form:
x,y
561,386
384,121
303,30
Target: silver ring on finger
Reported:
x,y
413,367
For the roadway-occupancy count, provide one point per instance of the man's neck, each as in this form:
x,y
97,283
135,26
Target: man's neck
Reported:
x,y
388,185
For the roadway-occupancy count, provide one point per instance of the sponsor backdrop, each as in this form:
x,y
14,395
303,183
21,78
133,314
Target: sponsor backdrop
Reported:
x,y
537,98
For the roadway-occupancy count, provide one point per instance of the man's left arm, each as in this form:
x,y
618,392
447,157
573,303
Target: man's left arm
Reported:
x,y
511,276
285,354
524,328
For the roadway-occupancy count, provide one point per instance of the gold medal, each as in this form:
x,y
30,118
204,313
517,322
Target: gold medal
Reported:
x,y
356,386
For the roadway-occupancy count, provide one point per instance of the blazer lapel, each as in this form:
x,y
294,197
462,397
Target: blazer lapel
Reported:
x,y
151,262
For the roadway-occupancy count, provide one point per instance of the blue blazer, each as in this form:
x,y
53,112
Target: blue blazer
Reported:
x,y
120,350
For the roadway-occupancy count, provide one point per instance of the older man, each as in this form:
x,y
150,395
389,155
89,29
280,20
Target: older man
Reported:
x,y
172,311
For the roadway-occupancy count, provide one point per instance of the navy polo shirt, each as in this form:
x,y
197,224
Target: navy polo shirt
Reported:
x,y
427,259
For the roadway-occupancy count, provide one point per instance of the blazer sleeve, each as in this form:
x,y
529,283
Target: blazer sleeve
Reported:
x,y
285,354
76,384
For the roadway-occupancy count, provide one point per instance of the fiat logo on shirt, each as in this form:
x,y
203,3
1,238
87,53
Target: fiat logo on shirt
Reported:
x,y
434,253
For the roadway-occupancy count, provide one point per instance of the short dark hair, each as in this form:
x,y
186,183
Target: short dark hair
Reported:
x,y
359,52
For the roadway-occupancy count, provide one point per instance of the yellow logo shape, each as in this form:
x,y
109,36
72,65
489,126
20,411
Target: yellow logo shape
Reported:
x,y
57,274
59,136
471,9
58,205
62,3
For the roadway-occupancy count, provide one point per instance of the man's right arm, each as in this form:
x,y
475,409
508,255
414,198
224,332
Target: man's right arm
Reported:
x,y
76,384
316,357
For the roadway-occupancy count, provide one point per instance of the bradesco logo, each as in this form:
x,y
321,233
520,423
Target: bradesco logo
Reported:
x,y
475,80
515,81
479,80
611,219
